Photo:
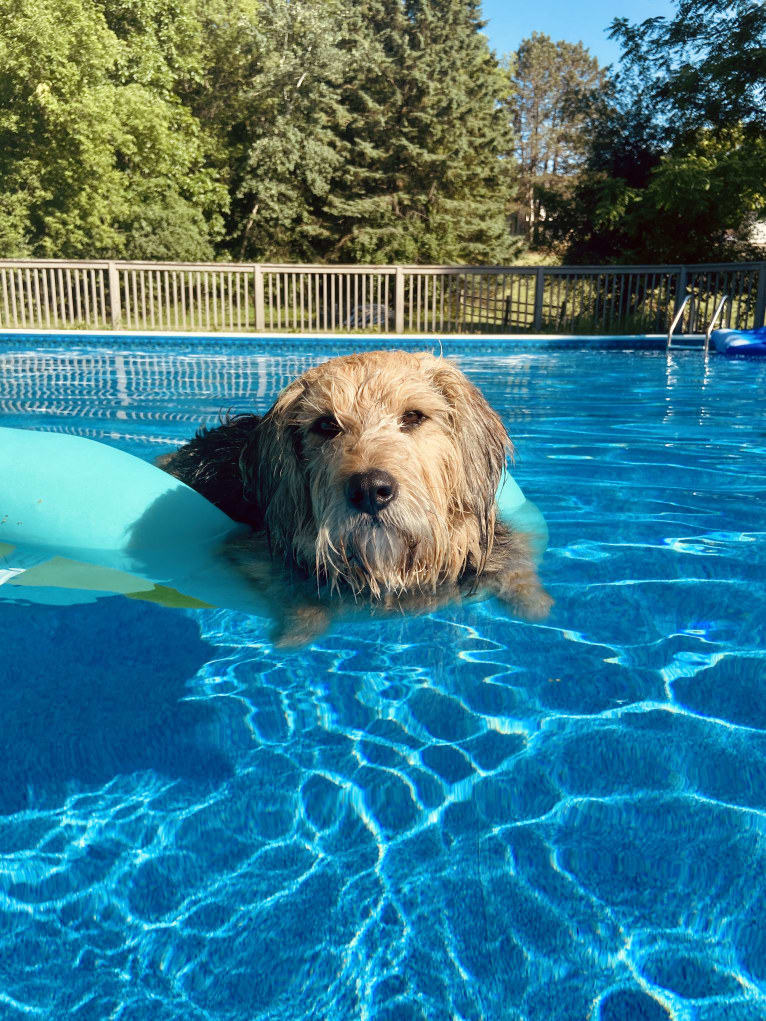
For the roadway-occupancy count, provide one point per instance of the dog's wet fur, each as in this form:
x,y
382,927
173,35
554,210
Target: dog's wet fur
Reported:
x,y
373,477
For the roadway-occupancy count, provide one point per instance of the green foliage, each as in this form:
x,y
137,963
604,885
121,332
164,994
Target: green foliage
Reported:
x,y
375,131
707,64
457,143
703,197
260,129
88,157
674,171
269,95
424,175
698,204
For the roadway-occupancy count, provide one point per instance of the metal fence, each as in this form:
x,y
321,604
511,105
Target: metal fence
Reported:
x,y
240,297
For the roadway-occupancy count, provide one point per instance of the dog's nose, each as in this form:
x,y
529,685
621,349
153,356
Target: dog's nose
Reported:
x,y
371,491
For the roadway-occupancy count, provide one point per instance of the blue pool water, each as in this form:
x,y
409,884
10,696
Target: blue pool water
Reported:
x,y
458,816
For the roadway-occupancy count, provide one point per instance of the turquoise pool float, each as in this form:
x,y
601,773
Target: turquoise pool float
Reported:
x,y
79,516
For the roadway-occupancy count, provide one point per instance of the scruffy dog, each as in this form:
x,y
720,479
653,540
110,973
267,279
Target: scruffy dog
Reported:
x,y
374,475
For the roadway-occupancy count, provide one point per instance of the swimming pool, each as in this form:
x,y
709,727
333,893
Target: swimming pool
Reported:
x,y
461,815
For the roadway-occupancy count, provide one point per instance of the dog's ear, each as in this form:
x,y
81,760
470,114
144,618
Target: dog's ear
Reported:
x,y
272,473
480,436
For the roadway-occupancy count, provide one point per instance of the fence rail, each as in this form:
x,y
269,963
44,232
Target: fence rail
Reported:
x,y
247,297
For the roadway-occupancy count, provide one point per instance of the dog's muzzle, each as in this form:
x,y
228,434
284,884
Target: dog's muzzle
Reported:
x,y
371,491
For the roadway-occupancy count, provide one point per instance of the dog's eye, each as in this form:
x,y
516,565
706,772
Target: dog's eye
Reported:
x,y
326,426
412,419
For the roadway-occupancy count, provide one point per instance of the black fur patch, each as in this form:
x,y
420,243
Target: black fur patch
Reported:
x,y
210,464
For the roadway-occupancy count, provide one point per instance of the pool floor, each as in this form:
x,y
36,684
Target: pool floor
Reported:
x,y
457,816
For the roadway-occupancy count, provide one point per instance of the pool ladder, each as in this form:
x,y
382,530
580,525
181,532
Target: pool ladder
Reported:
x,y
711,326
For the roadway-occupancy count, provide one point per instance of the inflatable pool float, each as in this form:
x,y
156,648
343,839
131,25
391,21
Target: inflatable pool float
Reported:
x,y
522,514
80,519
740,342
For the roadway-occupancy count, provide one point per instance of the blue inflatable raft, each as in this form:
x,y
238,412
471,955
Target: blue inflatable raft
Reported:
x,y
740,342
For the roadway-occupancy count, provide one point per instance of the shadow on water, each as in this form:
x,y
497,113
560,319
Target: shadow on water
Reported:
x,y
89,692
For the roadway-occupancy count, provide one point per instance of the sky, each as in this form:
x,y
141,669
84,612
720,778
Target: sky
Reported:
x,y
586,21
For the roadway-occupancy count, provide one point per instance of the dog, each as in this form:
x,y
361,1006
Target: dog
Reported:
x,y
373,477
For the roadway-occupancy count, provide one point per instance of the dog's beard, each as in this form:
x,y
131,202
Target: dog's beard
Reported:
x,y
379,556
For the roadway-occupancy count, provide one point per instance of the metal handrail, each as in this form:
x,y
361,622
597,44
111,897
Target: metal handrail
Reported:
x,y
714,320
677,316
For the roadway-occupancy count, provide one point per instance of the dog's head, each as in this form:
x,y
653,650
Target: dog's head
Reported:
x,y
379,470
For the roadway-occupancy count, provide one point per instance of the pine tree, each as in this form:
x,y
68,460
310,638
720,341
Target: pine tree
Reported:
x,y
424,144
459,140
363,216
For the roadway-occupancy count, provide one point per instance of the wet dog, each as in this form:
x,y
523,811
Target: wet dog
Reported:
x,y
374,477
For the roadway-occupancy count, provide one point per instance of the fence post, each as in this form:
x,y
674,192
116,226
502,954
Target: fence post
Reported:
x,y
115,305
760,298
260,313
399,299
539,288
680,290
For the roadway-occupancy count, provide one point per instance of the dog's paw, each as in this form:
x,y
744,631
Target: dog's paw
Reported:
x,y
300,625
535,606
525,596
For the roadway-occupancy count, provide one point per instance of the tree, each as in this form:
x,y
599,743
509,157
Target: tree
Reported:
x,y
703,197
457,142
365,211
423,144
589,221
95,158
262,129
554,86
707,64
675,164
269,94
